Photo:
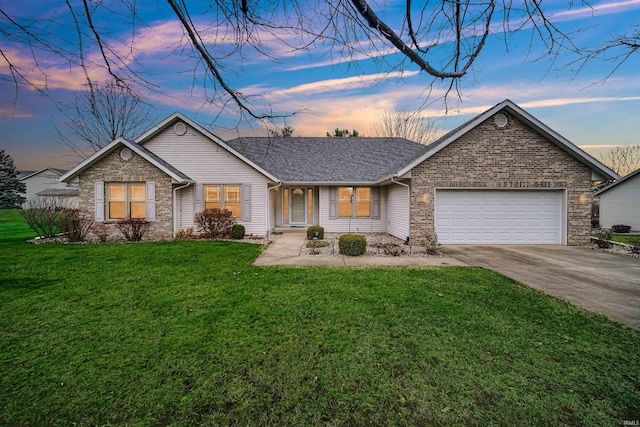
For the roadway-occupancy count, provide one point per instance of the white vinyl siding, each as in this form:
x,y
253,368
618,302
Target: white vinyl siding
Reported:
x,y
354,225
499,216
398,211
185,211
621,204
206,162
44,180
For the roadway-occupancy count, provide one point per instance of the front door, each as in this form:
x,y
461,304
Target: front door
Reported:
x,y
298,206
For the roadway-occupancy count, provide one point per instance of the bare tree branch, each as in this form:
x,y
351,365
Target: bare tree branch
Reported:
x,y
405,124
101,114
623,159
442,38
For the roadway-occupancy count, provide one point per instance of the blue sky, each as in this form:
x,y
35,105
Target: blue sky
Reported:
x,y
590,108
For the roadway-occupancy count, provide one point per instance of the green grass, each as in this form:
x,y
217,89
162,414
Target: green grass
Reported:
x,y
624,238
189,333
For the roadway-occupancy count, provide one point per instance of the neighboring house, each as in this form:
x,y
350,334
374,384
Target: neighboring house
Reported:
x,y
502,177
45,183
620,202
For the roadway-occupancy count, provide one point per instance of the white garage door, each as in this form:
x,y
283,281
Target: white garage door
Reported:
x,y
499,216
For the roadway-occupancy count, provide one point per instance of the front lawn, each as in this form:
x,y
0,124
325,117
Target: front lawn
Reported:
x,y
629,239
189,333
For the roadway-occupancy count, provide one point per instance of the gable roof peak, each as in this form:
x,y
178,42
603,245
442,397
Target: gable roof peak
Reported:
x,y
152,158
524,116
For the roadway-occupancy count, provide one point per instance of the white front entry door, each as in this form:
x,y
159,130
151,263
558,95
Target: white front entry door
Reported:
x,y
298,198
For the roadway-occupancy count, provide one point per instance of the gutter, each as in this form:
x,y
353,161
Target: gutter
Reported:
x,y
175,208
409,204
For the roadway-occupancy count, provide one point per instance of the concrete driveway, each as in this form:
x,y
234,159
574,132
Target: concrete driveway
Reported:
x,y
604,283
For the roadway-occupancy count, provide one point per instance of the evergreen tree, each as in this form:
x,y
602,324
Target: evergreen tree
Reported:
x,y
10,186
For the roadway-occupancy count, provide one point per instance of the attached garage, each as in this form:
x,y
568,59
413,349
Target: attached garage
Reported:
x,y
500,216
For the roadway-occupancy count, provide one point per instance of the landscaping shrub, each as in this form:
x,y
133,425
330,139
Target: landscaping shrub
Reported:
x,y
99,230
391,249
75,224
42,215
352,244
133,229
214,222
595,223
311,232
237,231
313,244
620,228
431,244
187,234
604,237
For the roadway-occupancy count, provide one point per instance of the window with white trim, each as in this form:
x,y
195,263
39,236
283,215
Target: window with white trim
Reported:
x,y
354,202
126,199
223,196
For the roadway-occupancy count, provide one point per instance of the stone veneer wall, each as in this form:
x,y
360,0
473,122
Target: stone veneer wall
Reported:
x,y
112,168
476,159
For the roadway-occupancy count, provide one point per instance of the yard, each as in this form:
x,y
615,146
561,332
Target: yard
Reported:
x,y
184,333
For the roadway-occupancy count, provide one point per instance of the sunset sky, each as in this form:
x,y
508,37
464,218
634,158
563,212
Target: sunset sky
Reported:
x,y
592,108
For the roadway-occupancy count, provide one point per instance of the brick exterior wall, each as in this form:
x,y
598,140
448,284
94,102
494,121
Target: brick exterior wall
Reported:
x,y
477,158
112,168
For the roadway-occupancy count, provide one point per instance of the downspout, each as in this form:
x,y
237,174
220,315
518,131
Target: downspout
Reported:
x,y
268,190
175,207
409,204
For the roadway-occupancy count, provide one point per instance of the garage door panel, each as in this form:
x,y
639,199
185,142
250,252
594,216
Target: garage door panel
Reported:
x,y
499,216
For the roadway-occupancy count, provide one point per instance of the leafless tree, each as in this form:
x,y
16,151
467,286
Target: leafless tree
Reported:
x,y
623,159
616,50
406,124
441,39
100,114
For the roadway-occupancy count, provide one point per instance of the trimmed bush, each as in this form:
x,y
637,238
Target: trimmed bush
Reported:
x,y
352,244
313,244
133,229
621,228
311,232
215,222
237,231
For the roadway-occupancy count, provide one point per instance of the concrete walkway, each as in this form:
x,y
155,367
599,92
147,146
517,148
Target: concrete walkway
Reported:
x,y
601,282
286,251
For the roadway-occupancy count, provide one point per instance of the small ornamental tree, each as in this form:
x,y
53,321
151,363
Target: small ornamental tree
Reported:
x,y
11,188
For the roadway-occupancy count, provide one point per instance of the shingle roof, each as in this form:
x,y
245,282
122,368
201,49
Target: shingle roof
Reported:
x,y
315,160
28,174
623,179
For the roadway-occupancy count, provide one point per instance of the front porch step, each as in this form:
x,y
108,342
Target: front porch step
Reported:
x,y
291,229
